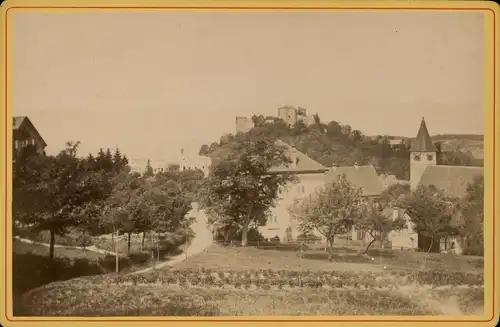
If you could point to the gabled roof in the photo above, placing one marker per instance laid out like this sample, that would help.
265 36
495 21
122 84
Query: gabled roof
364 177
304 164
423 142
454 180
18 121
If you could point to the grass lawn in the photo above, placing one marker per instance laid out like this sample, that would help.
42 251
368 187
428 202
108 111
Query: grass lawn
255 282
82 297
244 258
19 247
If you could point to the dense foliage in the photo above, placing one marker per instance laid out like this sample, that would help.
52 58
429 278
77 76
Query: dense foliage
100 195
336 144
240 190
432 213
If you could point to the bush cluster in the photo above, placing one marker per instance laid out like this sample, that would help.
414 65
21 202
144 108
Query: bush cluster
31 270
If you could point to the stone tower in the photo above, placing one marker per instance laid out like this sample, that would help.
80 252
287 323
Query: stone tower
422 154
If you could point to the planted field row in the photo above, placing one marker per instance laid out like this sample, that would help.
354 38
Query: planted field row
284 279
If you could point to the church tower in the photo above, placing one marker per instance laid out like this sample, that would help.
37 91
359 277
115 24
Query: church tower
423 153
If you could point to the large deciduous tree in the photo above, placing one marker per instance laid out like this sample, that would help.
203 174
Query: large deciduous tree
240 187
431 211
50 191
377 221
472 214
331 210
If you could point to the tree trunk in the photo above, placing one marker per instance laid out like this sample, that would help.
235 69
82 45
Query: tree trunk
52 243
430 246
128 244
157 247
330 249
370 244
143 238
117 257
113 247
244 234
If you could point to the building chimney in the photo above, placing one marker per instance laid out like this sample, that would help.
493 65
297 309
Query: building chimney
293 156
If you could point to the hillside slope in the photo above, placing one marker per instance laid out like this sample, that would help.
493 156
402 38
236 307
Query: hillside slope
335 144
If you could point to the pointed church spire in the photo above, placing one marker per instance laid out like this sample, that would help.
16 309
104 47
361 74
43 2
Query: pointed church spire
423 142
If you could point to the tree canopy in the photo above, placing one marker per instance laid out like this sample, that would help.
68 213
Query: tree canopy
240 188
332 210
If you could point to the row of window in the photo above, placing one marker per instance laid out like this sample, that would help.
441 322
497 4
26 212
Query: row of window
19 144
158 170
430 157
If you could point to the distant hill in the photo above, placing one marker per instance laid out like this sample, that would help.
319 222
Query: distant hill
335 144
474 143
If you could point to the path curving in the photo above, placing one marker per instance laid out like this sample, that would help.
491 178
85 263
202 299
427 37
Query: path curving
202 240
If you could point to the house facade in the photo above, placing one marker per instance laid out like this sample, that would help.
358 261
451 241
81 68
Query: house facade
185 162
25 134
310 176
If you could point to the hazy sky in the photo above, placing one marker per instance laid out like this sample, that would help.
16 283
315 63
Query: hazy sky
155 82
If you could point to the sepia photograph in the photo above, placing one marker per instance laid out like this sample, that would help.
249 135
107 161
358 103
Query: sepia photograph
248 163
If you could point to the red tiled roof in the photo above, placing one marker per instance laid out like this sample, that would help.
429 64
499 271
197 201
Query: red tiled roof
364 177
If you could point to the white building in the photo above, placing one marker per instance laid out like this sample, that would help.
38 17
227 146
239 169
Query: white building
185 162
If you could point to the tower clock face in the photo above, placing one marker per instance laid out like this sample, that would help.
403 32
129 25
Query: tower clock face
416 157
430 157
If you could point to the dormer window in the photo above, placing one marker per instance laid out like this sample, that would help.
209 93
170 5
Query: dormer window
416 157
430 157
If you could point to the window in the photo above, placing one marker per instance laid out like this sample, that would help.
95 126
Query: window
416 157
275 219
33 141
430 157
303 189
16 144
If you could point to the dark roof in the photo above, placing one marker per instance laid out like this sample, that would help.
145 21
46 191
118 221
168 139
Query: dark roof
451 179
364 177
20 120
423 142
304 164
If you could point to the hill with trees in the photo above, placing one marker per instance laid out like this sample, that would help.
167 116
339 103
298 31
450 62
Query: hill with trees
333 143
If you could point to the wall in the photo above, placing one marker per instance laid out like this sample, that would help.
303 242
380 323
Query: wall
417 167
185 163
280 219
406 239
24 136
308 120
288 114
